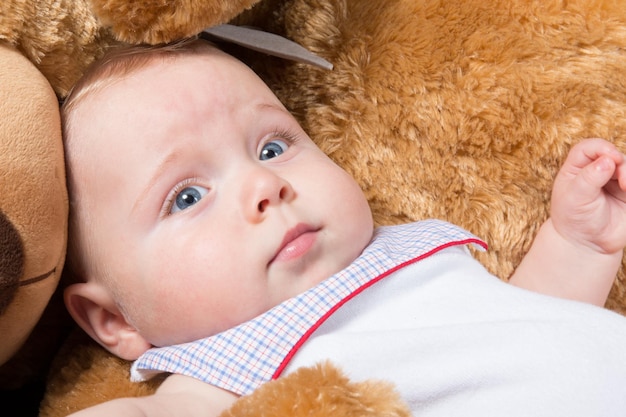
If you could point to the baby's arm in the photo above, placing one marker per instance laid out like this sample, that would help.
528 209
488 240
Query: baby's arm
577 252
177 396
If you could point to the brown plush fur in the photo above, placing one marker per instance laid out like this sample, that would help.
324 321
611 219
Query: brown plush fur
460 110
320 391
60 37
167 20
88 376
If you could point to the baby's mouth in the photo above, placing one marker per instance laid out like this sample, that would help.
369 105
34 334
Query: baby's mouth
297 242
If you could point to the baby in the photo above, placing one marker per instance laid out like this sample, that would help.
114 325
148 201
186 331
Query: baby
210 238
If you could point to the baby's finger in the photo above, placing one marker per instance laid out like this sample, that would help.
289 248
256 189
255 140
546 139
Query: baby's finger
616 191
590 150
594 176
620 173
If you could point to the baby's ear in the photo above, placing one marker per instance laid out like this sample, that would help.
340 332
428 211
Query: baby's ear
95 311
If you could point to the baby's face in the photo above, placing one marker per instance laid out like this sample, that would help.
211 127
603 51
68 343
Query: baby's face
208 204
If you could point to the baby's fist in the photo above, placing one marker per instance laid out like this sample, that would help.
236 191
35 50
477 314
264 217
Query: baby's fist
589 196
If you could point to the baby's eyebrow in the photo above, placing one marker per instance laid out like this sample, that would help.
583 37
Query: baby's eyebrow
170 159
265 105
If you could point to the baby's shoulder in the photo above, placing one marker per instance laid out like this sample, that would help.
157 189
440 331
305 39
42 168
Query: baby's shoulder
193 397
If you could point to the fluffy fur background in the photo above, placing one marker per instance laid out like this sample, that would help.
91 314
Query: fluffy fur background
61 37
461 110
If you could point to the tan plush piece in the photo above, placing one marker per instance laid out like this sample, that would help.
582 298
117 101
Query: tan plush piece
33 208
460 110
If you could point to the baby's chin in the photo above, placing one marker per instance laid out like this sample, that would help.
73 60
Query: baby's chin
331 270
341 262
293 288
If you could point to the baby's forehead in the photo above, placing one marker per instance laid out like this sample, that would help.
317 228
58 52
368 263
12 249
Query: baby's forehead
209 66
155 78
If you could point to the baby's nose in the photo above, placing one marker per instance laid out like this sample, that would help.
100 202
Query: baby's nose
266 189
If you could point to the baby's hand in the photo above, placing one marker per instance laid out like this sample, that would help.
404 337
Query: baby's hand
589 197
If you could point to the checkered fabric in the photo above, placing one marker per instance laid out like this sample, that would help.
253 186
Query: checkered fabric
244 357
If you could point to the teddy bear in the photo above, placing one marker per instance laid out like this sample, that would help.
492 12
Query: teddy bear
459 110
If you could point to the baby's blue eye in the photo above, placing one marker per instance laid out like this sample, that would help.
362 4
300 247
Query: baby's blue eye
187 197
272 149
